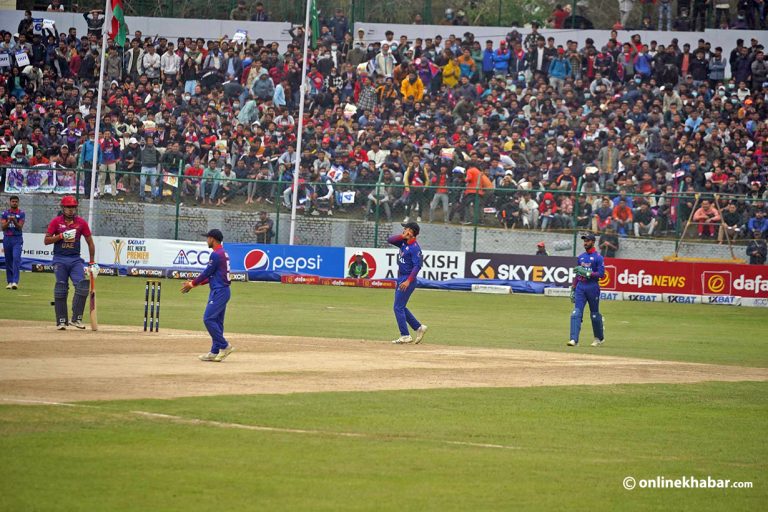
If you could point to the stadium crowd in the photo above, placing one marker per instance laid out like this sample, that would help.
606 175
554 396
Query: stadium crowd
515 124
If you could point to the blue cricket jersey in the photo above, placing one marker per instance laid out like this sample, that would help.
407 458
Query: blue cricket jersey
216 274
409 259
14 217
594 261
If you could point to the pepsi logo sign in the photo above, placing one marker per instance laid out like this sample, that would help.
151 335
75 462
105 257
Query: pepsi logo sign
256 259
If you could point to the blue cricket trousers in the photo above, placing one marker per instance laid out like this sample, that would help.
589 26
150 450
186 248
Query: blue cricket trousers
12 246
586 293
214 317
403 316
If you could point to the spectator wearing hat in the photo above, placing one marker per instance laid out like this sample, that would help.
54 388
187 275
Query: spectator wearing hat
559 70
541 249
130 165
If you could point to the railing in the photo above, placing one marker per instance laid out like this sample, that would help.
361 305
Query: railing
185 199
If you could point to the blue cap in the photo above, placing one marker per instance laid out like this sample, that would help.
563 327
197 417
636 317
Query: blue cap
216 234
588 236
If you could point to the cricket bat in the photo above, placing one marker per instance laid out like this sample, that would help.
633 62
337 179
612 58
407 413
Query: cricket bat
92 301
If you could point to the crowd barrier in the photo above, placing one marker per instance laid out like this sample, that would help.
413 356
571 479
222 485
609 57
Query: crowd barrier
631 280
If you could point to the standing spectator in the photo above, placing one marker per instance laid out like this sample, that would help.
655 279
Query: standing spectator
95 20
665 10
109 156
260 14
757 250
151 63
339 26
149 160
700 14
609 243
759 71
414 180
240 12
559 70
541 249
11 224
264 228
441 182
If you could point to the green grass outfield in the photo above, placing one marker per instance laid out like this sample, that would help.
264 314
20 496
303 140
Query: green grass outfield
549 448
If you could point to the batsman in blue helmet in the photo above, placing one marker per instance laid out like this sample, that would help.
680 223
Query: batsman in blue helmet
586 290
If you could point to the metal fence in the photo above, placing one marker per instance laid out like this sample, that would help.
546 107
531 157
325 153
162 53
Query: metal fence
460 217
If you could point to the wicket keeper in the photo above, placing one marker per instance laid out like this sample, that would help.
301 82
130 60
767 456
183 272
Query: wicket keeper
409 262
64 233
216 275
586 289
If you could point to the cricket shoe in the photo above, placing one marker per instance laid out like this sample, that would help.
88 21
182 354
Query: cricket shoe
597 342
9 287
420 332
210 356
403 340
572 343
77 323
62 326
222 355
14 286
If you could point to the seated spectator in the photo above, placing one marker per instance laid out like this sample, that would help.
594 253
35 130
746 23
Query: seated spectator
644 221
707 218
733 222
622 218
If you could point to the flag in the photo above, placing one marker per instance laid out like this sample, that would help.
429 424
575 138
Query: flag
119 30
314 22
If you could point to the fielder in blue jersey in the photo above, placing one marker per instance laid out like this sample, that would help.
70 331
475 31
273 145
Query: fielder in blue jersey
409 262
216 275
12 223
586 290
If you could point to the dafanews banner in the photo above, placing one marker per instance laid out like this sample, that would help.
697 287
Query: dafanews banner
538 269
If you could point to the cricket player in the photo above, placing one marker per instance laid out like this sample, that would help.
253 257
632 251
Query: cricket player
409 263
586 289
216 275
64 233
12 223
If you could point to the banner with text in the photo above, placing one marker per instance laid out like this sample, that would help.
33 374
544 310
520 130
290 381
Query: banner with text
382 263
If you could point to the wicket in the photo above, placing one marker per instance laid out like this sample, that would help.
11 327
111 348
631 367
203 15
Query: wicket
150 313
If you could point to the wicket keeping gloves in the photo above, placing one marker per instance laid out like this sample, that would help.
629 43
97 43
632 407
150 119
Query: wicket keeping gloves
582 271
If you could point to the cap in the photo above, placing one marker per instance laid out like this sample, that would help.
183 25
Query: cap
540 244
358 253
68 201
588 236
216 234
3 148
133 140
412 226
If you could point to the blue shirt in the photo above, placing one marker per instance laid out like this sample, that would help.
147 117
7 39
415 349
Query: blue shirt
13 216
216 274
409 259
594 261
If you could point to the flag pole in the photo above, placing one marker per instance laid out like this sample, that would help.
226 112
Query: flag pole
302 94
96 149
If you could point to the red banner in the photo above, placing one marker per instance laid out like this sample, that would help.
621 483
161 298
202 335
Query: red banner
749 281
338 281
300 279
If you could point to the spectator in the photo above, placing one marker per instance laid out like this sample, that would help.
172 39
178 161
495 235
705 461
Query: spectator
622 218
608 243
259 13
706 217
240 12
644 221
758 225
757 250
264 228
541 249
732 223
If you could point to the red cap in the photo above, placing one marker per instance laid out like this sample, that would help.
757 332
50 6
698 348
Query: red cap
540 244
68 201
